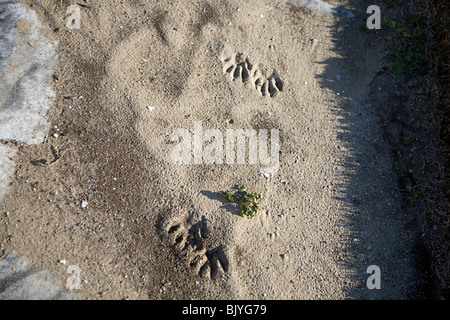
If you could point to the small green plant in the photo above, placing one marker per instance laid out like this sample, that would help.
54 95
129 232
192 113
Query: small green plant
228 195
364 28
248 201
392 3
406 50
413 193
406 139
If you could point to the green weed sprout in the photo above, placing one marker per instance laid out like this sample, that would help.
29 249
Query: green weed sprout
228 196
248 201
413 193
406 49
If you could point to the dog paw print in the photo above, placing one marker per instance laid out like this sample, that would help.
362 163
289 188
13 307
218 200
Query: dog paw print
239 68
191 243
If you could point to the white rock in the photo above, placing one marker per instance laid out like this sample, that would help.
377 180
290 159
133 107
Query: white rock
84 204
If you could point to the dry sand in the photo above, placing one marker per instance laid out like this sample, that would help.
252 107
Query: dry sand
136 71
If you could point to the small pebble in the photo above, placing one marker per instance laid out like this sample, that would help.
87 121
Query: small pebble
84 204
61 261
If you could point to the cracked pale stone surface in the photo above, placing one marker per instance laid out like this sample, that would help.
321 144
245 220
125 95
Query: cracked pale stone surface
27 59
20 279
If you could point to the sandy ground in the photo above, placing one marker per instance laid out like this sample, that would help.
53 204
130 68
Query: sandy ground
140 226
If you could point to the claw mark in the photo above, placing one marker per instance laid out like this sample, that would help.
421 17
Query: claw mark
240 68
217 262
191 243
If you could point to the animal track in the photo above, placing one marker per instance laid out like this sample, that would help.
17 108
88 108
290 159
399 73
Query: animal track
240 68
193 246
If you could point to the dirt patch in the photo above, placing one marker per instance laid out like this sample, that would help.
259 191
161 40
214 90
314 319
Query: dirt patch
352 138
439 13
